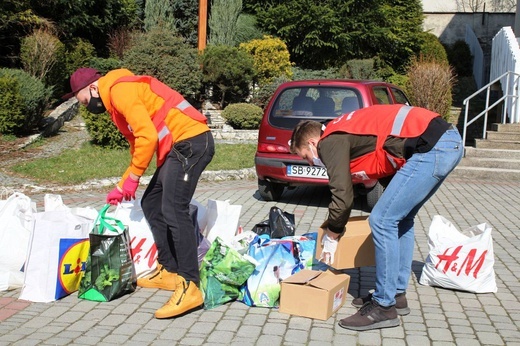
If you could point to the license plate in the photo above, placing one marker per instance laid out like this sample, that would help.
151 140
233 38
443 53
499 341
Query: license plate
307 172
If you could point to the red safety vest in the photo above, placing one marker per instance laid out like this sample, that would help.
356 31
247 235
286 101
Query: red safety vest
172 99
381 121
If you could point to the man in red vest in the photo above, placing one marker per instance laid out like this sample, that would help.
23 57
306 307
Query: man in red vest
411 150
156 119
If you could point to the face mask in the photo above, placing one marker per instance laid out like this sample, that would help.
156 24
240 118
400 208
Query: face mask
316 161
95 105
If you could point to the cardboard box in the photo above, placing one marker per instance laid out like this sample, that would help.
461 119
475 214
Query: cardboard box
355 246
313 294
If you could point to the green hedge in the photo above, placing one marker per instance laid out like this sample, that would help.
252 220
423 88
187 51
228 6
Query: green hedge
243 116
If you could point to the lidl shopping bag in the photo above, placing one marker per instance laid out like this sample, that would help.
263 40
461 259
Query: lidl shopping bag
16 218
459 260
222 272
276 261
56 255
110 272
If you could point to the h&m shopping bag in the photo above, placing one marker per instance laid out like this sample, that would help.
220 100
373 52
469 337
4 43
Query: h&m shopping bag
56 256
16 217
110 272
142 244
459 260
222 220
222 272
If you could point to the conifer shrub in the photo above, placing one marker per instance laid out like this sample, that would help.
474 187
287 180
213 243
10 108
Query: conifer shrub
243 116
432 49
11 106
104 65
35 97
358 69
164 55
227 74
459 56
102 130
271 58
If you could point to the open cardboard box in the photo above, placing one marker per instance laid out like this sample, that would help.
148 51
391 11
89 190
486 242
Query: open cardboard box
313 294
355 246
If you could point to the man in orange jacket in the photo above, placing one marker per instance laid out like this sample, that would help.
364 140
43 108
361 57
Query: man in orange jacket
412 150
156 119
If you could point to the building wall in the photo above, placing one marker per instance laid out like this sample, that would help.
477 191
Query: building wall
450 27
451 6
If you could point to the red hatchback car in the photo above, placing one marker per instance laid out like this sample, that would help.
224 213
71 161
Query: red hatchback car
320 100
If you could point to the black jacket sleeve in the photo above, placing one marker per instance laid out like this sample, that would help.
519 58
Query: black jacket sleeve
335 154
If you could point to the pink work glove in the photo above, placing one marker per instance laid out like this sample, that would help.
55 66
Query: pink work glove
129 187
115 196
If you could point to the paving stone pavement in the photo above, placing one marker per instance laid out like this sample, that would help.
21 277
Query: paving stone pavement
439 316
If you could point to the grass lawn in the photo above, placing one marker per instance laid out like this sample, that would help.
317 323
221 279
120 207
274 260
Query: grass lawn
91 162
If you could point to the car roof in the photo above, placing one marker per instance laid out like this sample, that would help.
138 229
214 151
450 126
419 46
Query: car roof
304 82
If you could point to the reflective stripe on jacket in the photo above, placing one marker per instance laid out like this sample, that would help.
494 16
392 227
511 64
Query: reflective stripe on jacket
382 121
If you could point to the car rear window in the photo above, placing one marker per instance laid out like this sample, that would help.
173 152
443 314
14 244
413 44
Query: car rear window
318 103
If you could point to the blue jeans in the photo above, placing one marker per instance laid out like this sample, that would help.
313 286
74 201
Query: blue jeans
392 218
166 203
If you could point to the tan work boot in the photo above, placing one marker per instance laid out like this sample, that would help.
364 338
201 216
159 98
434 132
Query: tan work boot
160 278
186 297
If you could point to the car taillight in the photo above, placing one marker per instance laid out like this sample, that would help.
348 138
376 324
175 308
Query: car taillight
272 148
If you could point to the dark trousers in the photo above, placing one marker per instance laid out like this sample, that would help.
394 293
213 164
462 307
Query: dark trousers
166 203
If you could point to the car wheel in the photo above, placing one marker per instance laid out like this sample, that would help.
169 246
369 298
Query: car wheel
373 195
270 191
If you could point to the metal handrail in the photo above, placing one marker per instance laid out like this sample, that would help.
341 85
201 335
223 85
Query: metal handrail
488 86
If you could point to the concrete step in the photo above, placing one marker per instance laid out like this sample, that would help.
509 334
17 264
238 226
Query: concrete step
496 144
478 162
492 153
503 136
489 164
478 173
505 127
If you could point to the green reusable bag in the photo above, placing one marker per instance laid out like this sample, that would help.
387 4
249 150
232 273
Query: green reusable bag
109 272
222 272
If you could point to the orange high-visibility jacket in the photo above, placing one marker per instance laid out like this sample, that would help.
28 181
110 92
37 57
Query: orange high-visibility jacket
382 121
149 114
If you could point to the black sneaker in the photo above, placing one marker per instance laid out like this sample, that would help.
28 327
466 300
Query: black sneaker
371 316
401 304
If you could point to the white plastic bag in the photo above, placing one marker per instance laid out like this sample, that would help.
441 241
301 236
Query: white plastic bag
53 202
56 256
16 216
459 260
222 220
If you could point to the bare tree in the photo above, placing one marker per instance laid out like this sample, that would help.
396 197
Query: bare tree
486 5
39 52
503 5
